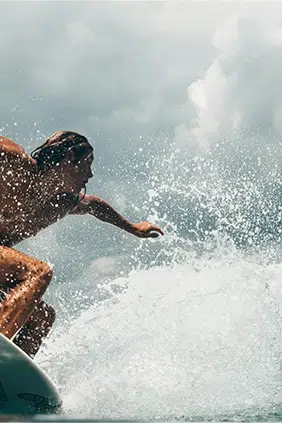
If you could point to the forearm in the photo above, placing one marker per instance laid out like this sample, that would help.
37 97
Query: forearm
99 208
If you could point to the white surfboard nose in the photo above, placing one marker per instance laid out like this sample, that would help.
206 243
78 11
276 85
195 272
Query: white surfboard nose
24 387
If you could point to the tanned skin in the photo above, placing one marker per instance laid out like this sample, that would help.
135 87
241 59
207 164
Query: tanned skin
29 202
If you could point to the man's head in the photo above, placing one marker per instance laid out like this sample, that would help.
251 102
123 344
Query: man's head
68 155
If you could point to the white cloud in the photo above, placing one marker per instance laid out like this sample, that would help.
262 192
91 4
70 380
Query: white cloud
123 69
241 90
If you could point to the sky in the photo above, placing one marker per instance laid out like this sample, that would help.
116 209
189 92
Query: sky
136 78
112 70
121 71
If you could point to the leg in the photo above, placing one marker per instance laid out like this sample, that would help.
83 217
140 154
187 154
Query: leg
25 280
37 327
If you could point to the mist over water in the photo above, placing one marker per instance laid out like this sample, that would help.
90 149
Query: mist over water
190 324
177 341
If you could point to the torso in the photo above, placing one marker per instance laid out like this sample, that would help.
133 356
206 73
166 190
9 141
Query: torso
19 225
24 209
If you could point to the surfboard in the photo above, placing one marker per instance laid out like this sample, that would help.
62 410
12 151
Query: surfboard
24 387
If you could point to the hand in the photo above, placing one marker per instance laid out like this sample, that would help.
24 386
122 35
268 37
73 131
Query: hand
146 230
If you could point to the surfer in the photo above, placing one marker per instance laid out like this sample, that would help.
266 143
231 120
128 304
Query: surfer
35 192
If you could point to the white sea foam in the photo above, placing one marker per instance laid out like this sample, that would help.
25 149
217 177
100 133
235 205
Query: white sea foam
184 340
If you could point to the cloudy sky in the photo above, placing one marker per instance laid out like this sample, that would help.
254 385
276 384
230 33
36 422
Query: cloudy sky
135 74
119 71
112 70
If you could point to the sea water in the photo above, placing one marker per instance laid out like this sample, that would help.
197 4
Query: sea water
183 327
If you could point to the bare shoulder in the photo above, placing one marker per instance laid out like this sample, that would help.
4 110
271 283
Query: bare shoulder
9 149
9 146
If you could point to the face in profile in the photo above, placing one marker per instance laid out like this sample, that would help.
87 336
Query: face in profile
76 170
80 169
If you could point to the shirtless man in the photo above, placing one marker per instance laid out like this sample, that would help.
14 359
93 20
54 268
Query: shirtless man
35 192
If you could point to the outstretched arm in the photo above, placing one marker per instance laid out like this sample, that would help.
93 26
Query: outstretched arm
93 205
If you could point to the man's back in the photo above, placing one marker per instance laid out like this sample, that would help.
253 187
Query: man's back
16 172
24 209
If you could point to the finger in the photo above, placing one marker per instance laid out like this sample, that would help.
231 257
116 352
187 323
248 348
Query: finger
157 229
160 231
153 235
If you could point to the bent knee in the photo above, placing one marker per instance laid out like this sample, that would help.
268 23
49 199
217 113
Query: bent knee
45 271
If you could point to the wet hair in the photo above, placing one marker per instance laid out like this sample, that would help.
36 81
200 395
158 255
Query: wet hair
55 148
